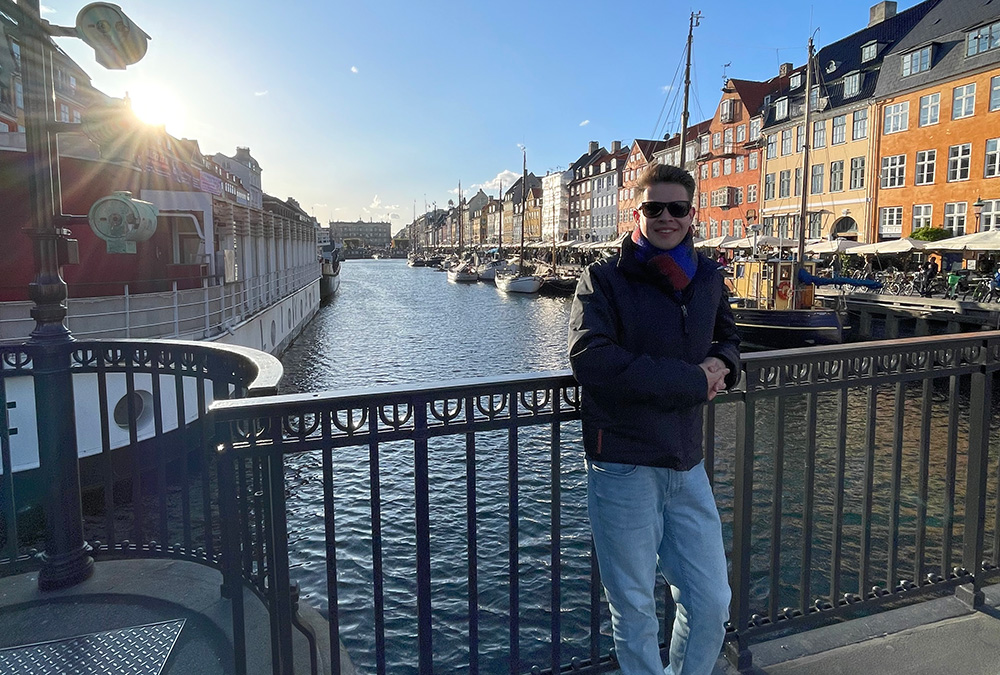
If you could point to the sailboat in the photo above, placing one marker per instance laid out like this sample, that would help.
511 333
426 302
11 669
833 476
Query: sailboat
462 272
517 281
774 307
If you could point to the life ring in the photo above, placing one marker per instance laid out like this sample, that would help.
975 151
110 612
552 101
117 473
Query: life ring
783 288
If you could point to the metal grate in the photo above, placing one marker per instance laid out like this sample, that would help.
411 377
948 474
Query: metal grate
138 650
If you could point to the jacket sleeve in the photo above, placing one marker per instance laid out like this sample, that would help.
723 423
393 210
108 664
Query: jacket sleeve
726 338
600 362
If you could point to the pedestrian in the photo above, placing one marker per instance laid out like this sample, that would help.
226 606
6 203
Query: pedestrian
651 340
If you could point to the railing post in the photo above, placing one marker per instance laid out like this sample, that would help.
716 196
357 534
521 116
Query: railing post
980 405
232 578
128 313
208 318
177 317
738 649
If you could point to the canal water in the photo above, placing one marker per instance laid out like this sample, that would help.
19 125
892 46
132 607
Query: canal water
391 324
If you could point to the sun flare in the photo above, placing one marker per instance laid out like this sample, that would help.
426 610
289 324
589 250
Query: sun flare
158 105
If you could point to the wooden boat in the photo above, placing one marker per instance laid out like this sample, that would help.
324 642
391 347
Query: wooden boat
518 283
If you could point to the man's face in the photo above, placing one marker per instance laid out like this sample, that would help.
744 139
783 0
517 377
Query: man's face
665 231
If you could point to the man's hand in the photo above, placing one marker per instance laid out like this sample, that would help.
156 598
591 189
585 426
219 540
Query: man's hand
715 373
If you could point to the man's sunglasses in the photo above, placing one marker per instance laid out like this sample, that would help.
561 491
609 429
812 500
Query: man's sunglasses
675 209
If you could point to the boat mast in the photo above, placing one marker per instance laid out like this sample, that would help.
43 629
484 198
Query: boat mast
695 20
524 194
806 182
460 218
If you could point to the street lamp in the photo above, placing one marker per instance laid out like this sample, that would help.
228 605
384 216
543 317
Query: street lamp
977 208
117 43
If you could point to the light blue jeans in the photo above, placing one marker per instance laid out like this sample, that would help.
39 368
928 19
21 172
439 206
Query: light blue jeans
647 518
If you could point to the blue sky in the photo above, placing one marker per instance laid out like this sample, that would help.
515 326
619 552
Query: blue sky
363 109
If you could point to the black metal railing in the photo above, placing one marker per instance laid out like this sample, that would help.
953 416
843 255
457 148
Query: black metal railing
139 409
445 526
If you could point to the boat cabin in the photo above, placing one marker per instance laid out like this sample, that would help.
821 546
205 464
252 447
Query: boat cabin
767 284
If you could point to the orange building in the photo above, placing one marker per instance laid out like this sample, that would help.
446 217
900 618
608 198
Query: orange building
938 125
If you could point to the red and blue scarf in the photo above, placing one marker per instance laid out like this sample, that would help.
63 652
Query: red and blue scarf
678 264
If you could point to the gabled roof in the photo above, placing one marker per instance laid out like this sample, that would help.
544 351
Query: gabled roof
945 24
586 159
647 147
843 57
514 192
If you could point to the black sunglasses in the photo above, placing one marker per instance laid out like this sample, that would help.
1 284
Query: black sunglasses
675 209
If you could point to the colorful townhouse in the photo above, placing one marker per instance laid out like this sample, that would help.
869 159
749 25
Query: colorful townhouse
838 180
937 121
729 158
579 190
671 154
607 175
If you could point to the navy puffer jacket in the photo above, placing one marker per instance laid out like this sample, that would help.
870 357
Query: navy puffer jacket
634 347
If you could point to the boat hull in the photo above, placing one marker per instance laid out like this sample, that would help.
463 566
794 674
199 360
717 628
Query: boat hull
526 284
789 328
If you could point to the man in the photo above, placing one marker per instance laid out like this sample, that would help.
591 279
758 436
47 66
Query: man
651 340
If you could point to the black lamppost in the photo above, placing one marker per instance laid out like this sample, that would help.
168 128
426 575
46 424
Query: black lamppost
977 209
117 43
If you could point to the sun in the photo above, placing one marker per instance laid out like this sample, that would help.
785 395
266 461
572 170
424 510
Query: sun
155 104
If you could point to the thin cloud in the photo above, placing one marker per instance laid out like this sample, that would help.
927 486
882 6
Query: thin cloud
376 202
505 178
43 9
666 89
584 123
260 93
354 69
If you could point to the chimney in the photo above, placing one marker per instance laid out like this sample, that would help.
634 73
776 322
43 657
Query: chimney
594 145
615 146
784 69
880 12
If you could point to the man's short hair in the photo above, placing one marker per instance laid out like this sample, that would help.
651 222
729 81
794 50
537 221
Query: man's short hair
664 173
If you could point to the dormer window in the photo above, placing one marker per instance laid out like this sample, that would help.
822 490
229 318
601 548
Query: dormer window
852 85
917 61
982 39
869 51
831 67
781 108
796 81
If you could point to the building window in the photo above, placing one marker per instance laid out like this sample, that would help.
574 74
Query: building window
784 183
893 171
837 176
990 219
798 181
715 169
930 109
739 196
704 145
76 117
995 93
992 158
772 146
703 200
752 160
959 160
869 51
19 95
769 186
852 85
716 139
982 39
815 225
727 167
751 193
954 218
917 62
704 170
926 160
860 127
63 112
857 173
795 80
741 164
819 134
786 142
754 129
896 117
963 101
800 138
781 109
816 183
839 134
922 214
741 133
890 221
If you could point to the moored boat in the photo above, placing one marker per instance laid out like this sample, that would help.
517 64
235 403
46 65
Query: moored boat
463 273
518 283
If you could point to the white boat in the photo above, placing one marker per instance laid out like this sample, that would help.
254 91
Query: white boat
463 274
516 283
488 270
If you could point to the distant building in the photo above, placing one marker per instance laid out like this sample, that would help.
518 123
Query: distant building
360 234
243 165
